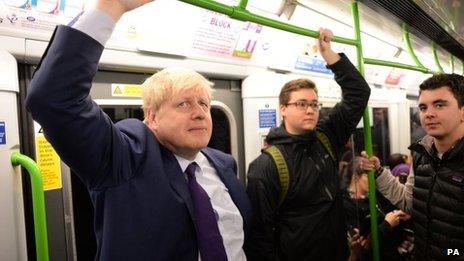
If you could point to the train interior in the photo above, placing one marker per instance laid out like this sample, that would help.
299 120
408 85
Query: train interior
248 64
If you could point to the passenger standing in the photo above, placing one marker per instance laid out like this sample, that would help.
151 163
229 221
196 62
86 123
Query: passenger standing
158 192
434 191
310 223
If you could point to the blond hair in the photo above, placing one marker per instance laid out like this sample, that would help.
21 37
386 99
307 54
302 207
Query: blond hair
167 83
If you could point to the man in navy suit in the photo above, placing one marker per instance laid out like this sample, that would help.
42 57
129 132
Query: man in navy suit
148 180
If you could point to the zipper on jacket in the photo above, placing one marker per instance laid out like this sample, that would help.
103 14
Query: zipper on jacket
435 166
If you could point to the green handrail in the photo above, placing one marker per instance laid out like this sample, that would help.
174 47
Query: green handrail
435 57
242 4
452 63
396 65
367 138
239 13
407 41
38 203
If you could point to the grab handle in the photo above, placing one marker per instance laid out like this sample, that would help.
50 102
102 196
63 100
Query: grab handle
38 203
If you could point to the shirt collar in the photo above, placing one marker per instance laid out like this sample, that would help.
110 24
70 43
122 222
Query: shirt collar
183 162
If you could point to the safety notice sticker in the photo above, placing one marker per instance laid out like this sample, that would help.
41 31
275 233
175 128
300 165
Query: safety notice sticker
48 162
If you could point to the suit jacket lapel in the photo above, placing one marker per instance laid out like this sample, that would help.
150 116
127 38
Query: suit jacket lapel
230 180
177 179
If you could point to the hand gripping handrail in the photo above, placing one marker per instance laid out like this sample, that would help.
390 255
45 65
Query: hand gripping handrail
38 203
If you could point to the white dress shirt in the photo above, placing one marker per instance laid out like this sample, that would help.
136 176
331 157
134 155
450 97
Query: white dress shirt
230 221
99 26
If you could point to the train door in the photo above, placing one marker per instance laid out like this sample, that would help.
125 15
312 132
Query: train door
12 218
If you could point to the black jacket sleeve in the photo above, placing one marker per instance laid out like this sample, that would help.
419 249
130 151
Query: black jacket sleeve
343 118
263 189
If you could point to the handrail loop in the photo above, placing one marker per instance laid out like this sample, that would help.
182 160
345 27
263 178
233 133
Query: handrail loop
435 57
407 41
38 203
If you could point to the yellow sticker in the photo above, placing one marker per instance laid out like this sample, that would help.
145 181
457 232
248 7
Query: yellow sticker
126 90
48 162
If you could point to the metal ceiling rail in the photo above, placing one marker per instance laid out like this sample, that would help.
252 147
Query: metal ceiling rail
240 13
397 65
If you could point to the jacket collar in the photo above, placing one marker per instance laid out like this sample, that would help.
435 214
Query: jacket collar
426 144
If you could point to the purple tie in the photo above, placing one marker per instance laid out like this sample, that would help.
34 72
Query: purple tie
208 236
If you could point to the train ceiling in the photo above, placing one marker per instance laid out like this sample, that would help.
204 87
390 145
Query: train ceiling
440 20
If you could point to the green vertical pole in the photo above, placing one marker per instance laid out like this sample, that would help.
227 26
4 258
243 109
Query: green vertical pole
243 4
435 57
38 203
367 139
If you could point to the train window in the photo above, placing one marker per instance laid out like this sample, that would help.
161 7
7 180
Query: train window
121 112
220 138
417 132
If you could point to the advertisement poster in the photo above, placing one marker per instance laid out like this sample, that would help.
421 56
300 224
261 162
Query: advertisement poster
36 20
220 36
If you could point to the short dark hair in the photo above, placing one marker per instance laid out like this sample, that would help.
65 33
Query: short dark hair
295 85
396 159
453 81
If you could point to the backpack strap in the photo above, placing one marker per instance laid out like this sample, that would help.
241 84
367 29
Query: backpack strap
327 145
282 170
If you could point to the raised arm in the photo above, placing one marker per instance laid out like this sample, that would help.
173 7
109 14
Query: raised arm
58 99
344 117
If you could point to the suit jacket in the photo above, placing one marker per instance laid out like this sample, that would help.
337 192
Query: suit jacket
143 210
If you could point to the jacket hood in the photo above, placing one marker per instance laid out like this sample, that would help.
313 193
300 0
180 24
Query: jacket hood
279 135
